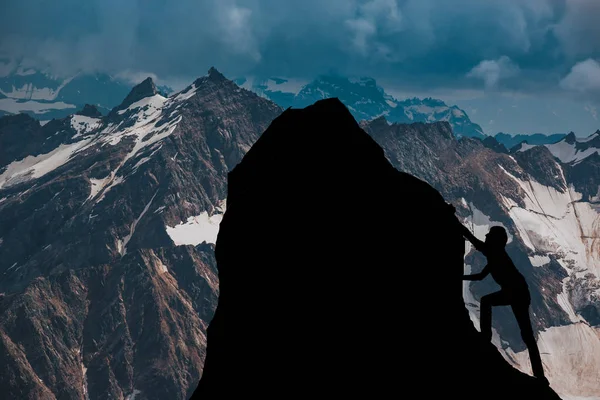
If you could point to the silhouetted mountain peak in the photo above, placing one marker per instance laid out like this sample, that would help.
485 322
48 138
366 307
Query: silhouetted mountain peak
89 110
298 328
337 127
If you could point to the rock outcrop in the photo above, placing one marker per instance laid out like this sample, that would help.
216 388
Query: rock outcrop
340 275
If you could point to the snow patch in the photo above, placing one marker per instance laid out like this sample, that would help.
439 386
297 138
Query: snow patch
114 181
133 395
33 167
14 106
30 92
123 247
83 124
197 229
96 185
589 138
162 268
539 261
85 383
189 93
143 128
571 356
525 147
152 103
568 153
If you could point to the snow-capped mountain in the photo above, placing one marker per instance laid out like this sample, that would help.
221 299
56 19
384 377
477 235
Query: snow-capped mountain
551 212
571 149
45 97
364 98
107 224
107 273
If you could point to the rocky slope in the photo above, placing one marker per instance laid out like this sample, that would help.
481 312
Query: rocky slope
107 274
339 309
553 220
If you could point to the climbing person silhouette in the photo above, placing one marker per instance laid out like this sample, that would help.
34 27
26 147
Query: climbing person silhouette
514 291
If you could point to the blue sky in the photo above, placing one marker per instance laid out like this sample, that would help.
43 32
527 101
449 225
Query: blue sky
486 52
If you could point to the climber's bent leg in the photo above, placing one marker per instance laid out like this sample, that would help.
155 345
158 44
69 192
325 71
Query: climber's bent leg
485 317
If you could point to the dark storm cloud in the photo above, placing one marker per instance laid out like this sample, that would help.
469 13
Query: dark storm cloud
529 44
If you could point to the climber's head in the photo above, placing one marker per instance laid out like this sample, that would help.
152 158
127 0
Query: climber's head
496 237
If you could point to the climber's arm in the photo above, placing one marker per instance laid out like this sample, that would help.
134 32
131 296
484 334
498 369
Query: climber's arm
477 277
478 244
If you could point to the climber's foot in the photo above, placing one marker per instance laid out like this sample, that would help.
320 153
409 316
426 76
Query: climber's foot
543 380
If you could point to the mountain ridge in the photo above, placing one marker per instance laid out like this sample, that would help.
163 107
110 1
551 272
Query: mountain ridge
137 200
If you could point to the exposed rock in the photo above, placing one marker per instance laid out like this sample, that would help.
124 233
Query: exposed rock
90 111
98 301
144 89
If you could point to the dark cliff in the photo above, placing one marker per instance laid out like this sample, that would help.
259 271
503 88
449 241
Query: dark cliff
340 275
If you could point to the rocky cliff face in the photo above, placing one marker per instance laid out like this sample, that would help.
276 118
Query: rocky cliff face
550 211
322 257
107 274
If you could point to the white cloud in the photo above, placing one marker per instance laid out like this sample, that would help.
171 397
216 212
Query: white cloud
492 71
584 77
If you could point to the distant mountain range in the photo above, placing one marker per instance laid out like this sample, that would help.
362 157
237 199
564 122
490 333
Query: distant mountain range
45 97
510 141
365 99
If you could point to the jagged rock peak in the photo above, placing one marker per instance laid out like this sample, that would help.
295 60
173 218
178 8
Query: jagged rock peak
491 143
594 135
89 111
142 90
215 75
570 138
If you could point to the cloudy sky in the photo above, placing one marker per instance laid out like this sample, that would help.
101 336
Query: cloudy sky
485 55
